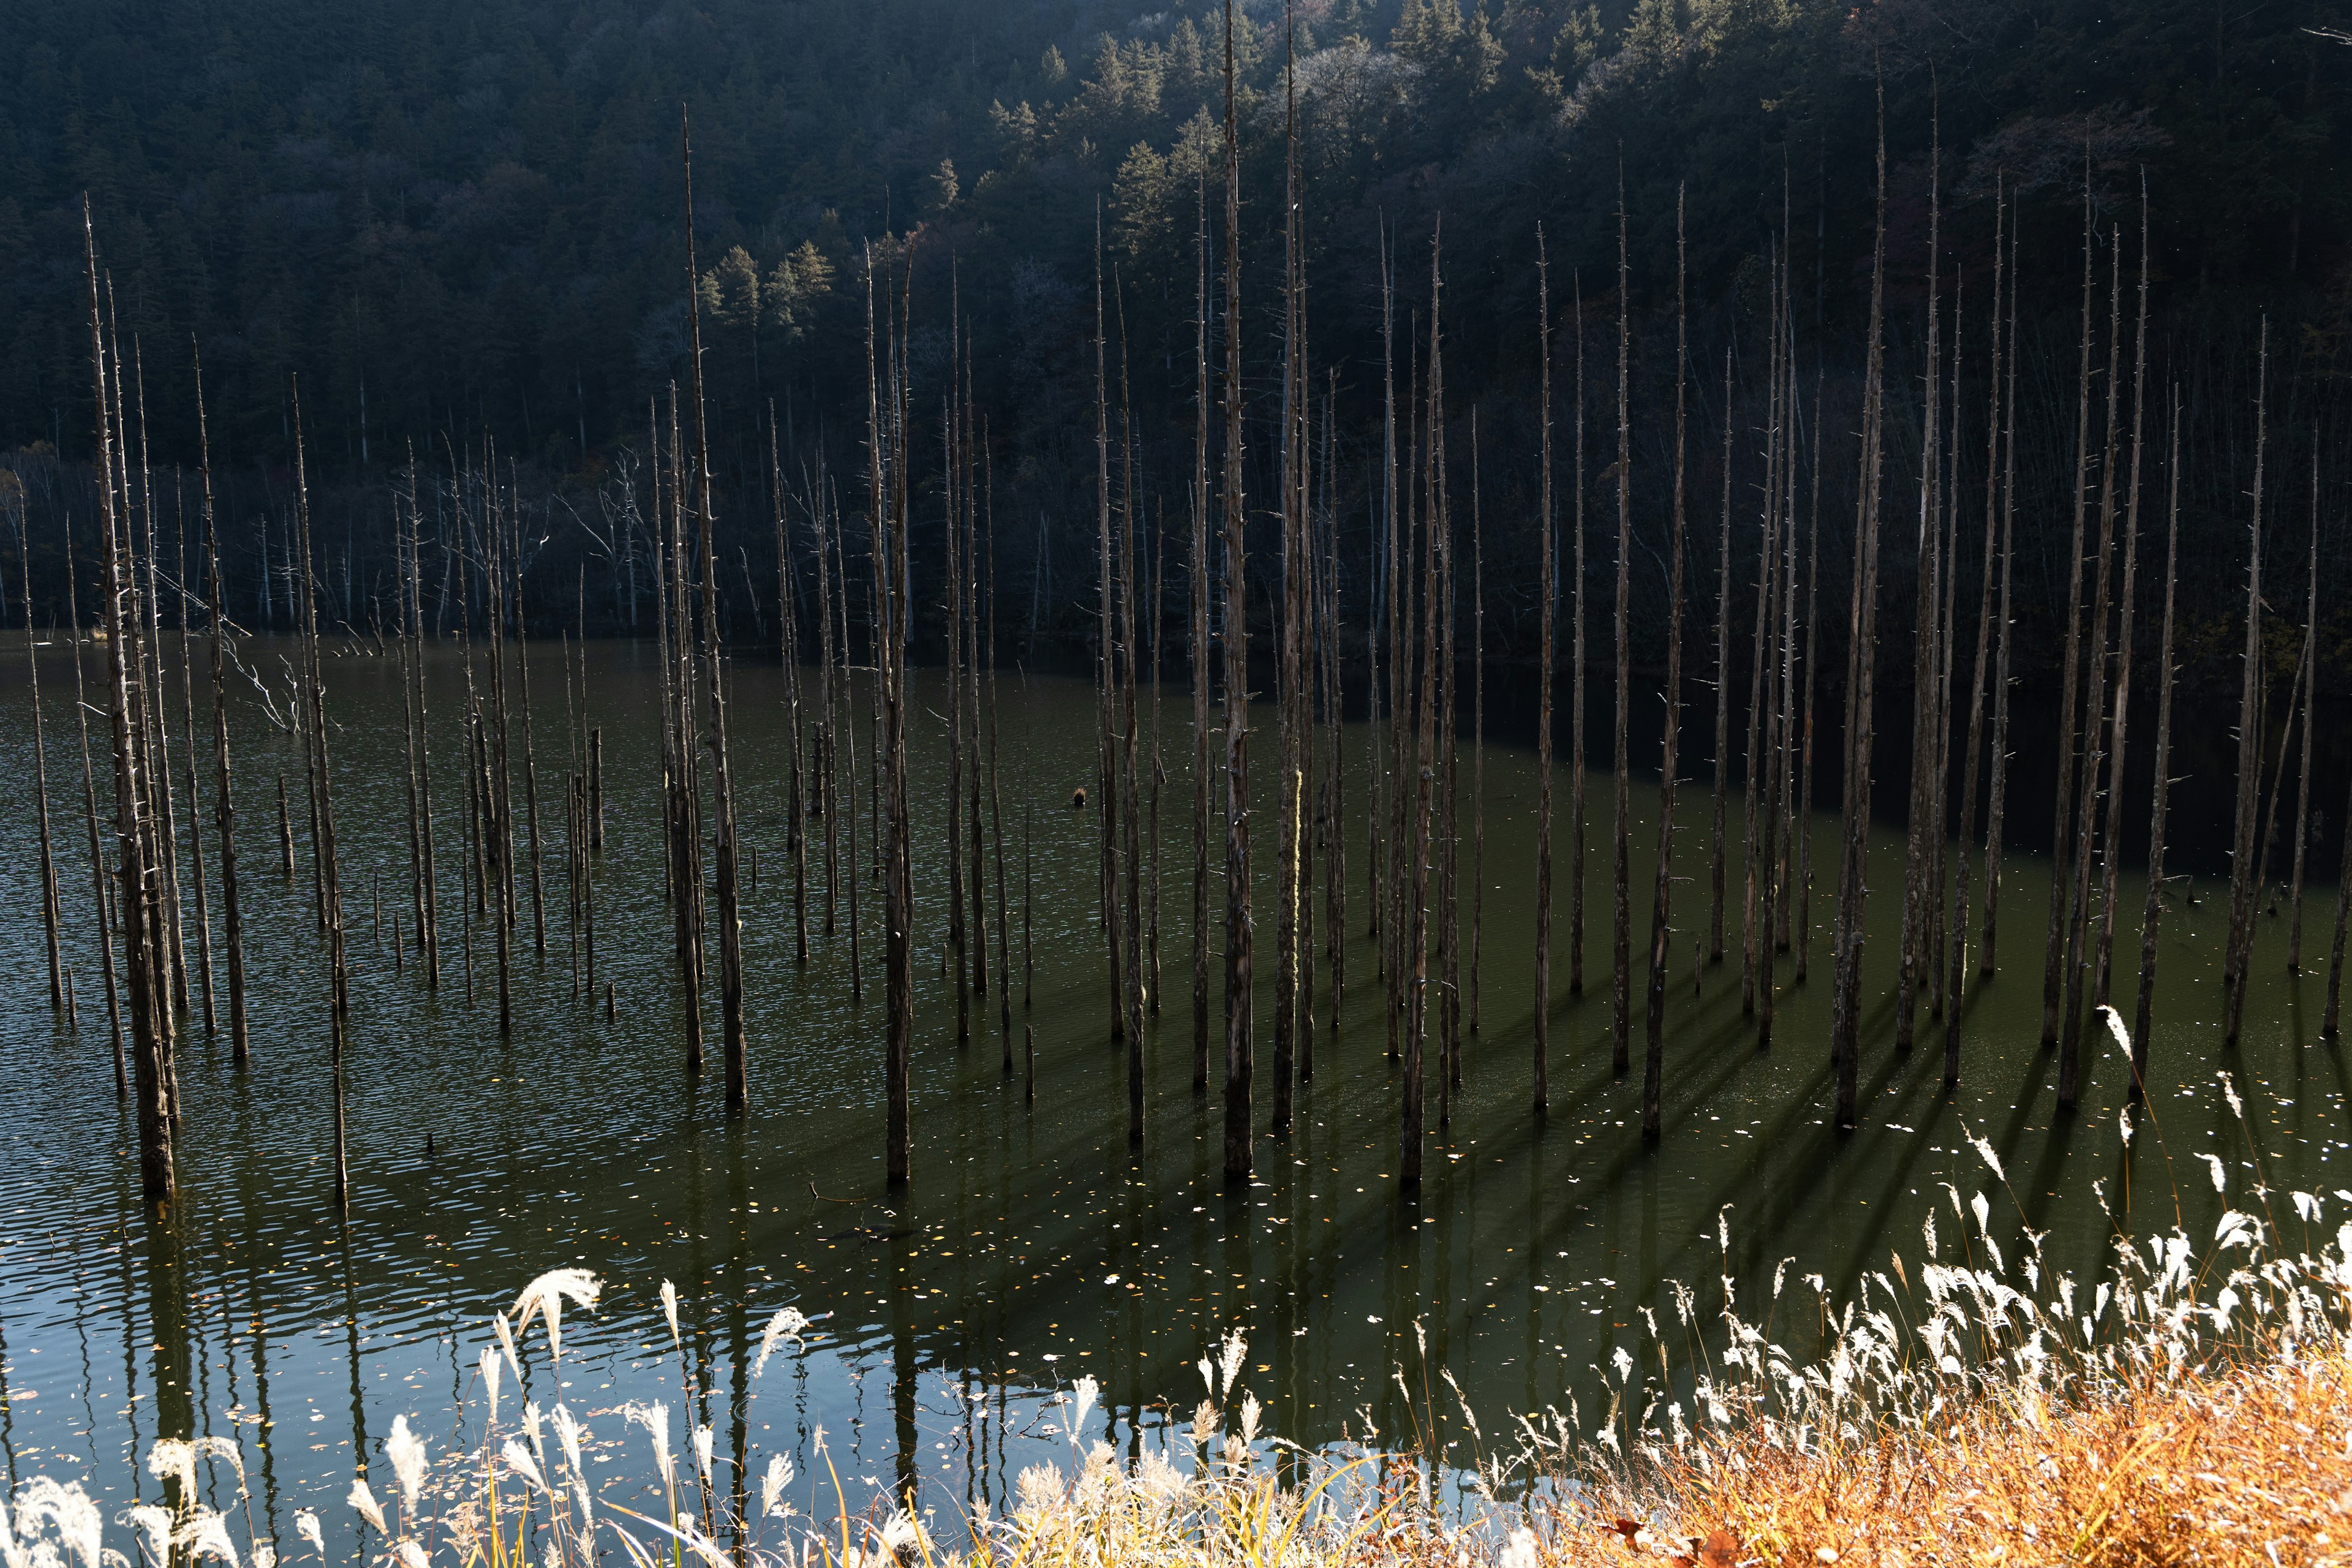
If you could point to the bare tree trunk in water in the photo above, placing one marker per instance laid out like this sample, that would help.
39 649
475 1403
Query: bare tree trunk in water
1845 1021
2143 1010
1661 934
1545 658
2250 745
2061 843
1620 971
1238 1064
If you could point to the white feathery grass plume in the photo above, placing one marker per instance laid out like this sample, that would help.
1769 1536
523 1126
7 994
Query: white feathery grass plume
702 1453
1984 1151
1624 1362
654 1419
206 1535
1082 1400
2220 1176
545 1296
1983 1211
222 1448
174 1459
670 1313
1209 1374
405 1450
2306 1207
264 1555
67 1508
410 1555
2116 1027
2230 1092
155 1525
1229 1362
1520 1551
531 1424
778 1476
518 1459
365 1500
305 1525
569 1433
507 1342
489 1365
11 1555
2124 1123
1252 1411
1928 1232
786 1324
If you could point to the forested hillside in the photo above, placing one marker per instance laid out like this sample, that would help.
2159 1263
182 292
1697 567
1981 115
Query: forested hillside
455 223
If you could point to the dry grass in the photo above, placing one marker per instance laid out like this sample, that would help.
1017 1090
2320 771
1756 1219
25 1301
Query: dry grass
2251 1464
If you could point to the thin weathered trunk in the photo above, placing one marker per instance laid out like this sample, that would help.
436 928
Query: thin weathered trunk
2250 738
1804 872
788 641
730 924
41 782
1621 1018
1237 672
1550 589
2062 842
2302 764
958 940
2144 1009
1105 755
1922 833
158 1180
1197 641
1956 979
1661 934
1845 1006
224 799
89 821
1997 795
1576 687
2118 733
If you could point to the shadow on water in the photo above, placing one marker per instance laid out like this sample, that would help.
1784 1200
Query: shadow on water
1035 1246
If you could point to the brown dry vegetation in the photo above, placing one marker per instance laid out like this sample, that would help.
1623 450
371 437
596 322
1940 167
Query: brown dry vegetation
2245 1464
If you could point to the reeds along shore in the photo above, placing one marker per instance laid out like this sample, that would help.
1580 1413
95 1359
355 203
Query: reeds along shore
1374 591
1973 1403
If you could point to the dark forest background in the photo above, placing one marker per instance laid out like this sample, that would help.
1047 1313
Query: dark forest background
459 228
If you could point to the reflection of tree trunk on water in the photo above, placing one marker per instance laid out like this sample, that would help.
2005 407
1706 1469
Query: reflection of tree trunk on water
352 1349
902 1376
167 1315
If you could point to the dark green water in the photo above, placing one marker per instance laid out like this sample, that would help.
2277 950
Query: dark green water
1034 1247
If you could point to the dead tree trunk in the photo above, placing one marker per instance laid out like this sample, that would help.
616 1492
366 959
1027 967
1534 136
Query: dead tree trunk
1654 1060
2144 1009
1238 1064
1545 660
2250 740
